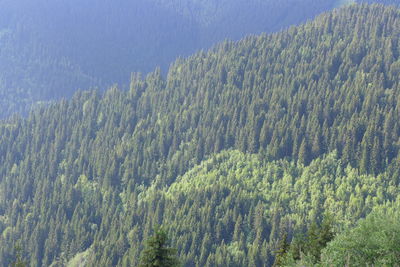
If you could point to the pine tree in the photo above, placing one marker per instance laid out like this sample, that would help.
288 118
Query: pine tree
304 153
283 248
18 258
157 253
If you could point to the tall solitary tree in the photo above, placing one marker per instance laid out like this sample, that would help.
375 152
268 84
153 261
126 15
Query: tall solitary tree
157 253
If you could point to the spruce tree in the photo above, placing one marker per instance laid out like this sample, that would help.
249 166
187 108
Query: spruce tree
283 248
18 262
157 253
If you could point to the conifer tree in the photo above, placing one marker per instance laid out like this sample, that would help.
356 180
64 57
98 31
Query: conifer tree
157 253
304 154
18 258
283 248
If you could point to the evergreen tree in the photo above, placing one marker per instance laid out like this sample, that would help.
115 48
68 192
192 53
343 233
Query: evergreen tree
304 153
95 173
283 248
157 253
18 262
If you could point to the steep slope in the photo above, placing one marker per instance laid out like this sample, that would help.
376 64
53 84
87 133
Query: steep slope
228 210
92 172
49 49
53 48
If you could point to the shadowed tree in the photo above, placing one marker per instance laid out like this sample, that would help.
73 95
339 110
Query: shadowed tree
19 262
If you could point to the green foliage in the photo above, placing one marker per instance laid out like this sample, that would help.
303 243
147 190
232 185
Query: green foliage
306 248
281 252
157 253
235 144
78 260
18 262
373 242
50 49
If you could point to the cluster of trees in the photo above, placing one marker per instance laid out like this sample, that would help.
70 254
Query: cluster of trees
233 146
231 209
49 49
304 247
374 241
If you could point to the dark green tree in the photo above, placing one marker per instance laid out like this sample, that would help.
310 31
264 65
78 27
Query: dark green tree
283 248
304 153
18 262
157 251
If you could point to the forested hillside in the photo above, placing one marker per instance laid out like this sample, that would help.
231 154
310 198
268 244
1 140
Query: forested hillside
49 49
30 73
383 2
233 148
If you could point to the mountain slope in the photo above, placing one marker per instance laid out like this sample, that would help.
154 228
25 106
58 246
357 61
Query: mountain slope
95 173
383 2
31 74
49 49
53 48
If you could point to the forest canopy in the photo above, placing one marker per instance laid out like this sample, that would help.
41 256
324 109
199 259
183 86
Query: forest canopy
231 150
51 49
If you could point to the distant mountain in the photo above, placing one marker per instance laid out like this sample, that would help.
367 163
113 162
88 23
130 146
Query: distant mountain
231 150
31 73
383 2
49 49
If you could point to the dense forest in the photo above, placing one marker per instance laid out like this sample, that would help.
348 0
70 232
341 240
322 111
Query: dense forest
49 49
383 2
236 152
